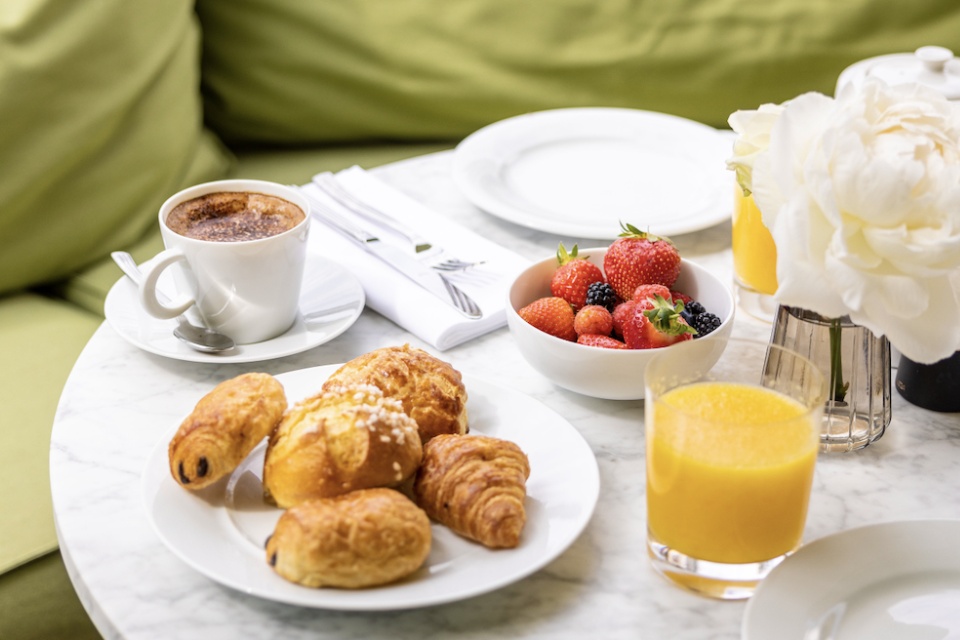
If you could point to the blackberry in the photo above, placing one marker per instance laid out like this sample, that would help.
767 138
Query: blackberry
602 294
705 323
695 308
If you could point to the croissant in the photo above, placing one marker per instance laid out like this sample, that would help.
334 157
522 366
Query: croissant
431 390
224 427
342 439
475 485
361 539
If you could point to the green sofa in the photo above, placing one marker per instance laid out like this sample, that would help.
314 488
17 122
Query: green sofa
108 107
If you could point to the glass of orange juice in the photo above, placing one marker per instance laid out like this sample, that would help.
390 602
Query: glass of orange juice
754 259
732 434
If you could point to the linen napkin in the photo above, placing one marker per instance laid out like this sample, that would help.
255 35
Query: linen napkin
395 296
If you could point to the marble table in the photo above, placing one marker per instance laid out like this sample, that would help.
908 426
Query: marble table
119 401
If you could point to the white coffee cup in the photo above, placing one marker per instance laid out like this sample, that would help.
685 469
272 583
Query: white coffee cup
247 289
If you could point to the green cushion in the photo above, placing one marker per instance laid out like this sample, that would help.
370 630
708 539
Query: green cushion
308 72
101 120
40 339
37 602
89 287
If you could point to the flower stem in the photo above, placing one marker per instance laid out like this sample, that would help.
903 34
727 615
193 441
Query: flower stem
838 389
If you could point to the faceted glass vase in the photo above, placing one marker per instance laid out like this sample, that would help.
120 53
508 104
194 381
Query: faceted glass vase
855 363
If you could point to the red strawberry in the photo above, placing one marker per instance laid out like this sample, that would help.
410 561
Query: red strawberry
682 297
593 340
593 319
637 258
621 313
658 326
551 315
573 277
645 291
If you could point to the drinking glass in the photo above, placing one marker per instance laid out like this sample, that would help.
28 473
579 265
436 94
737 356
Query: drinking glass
732 435
754 259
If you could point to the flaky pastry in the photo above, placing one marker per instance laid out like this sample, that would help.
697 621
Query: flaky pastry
224 427
361 539
344 438
476 486
431 390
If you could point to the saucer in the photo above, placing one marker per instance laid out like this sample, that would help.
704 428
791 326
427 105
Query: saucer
331 299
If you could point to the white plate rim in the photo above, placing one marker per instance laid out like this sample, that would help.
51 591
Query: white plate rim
474 150
156 481
782 601
124 313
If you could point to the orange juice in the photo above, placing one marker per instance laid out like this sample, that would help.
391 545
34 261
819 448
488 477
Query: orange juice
754 252
729 471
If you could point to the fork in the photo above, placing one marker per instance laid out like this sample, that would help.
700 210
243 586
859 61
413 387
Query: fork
432 255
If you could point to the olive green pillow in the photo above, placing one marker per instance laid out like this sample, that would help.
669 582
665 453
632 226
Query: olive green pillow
306 72
100 121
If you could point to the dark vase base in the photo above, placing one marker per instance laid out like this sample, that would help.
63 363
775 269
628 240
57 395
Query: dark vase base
931 386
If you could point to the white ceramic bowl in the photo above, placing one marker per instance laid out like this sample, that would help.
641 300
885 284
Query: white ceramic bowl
613 374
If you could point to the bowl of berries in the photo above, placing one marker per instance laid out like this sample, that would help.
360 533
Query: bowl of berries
591 319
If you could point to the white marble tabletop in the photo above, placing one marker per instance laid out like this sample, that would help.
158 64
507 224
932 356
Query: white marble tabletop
119 401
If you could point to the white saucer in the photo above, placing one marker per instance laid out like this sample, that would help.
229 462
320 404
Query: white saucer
896 580
220 531
327 287
579 172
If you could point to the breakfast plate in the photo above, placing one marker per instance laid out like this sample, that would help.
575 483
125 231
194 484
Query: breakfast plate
331 300
885 581
579 172
220 531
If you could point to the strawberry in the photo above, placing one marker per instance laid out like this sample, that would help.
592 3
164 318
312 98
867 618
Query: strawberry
593 319
573 277
658 326
682 297
646 291
637 258
621 313
551 315
594 340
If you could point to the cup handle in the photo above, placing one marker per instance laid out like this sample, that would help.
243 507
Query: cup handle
148 288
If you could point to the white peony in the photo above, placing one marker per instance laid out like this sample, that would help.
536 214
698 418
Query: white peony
862 196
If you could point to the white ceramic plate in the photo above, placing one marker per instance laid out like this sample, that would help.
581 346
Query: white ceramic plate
221 531
896 580
331 300
579 172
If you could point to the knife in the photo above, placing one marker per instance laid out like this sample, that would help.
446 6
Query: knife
406 264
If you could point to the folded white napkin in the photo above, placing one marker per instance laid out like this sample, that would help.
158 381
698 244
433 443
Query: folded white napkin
395 296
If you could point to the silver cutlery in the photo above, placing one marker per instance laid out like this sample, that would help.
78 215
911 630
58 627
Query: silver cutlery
199 338
431 280
435 256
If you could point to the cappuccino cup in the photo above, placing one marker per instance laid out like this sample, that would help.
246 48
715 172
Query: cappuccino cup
236 251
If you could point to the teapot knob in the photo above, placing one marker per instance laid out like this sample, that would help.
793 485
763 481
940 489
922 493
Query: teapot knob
934 58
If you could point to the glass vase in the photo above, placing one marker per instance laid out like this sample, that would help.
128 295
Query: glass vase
856 364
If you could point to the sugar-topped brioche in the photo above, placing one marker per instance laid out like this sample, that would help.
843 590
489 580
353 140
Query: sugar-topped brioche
431 390
345 438
360 539
225 426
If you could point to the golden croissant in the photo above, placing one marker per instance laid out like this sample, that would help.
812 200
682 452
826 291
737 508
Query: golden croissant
224 427
476 486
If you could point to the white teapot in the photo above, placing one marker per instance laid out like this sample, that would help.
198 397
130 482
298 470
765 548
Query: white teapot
933 66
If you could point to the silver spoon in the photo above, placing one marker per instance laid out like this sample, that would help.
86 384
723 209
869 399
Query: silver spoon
199 338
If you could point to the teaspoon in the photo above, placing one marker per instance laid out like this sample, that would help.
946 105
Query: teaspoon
199 338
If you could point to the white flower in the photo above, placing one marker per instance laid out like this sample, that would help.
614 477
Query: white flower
862 196
754 129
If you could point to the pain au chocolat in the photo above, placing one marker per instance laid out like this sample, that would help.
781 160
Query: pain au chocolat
224 427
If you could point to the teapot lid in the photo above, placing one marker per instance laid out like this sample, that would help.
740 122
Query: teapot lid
935 67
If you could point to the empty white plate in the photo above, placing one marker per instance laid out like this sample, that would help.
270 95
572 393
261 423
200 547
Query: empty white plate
580 172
